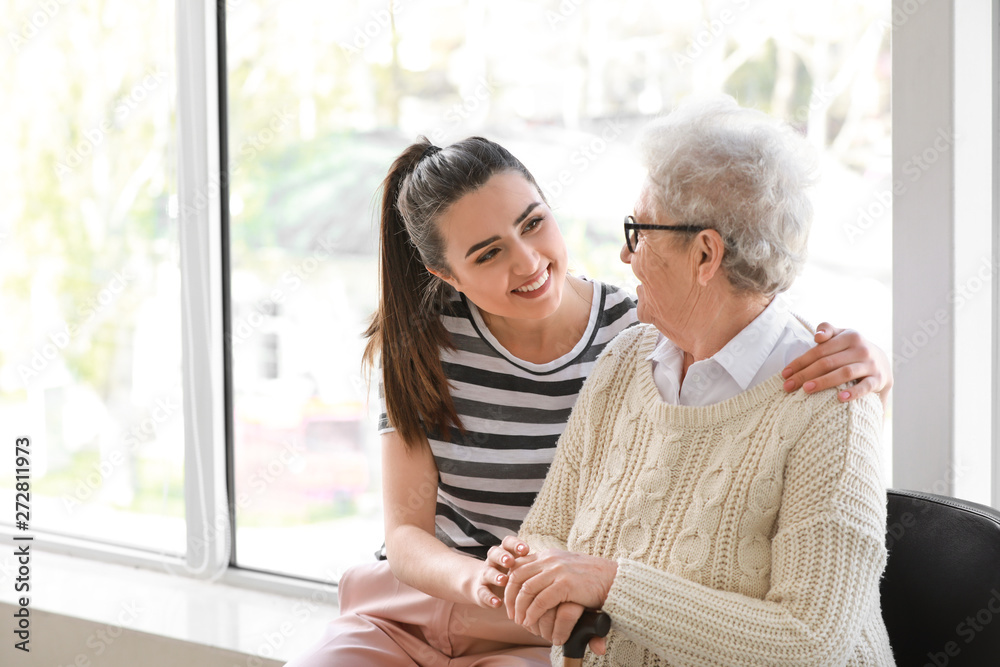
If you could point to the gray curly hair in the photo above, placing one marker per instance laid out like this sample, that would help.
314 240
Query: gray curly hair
714 163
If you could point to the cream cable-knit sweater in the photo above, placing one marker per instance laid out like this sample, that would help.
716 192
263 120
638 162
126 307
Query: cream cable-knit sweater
748 532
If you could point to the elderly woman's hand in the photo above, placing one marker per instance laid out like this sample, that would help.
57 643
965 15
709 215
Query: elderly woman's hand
541 582
557 624
841 355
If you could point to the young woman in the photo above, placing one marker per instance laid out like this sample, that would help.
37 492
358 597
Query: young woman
484 340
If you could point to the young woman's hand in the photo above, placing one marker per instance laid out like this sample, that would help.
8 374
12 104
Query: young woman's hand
841 355
496 569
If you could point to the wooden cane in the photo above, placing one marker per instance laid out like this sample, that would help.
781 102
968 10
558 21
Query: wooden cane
591 624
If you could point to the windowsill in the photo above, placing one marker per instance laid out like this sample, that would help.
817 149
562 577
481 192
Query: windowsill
249 622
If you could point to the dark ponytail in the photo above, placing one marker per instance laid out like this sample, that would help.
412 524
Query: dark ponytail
406 330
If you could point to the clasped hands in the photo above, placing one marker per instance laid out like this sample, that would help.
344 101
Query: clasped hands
546 592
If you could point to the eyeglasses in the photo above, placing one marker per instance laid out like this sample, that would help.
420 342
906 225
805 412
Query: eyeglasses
632 230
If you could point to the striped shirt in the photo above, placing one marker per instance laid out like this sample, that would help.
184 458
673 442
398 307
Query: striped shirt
513 412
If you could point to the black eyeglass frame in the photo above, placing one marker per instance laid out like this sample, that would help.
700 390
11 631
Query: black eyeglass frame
632 226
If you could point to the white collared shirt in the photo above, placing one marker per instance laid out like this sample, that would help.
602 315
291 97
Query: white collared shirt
762 349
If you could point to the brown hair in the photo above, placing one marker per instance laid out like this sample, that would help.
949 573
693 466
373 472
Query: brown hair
406 330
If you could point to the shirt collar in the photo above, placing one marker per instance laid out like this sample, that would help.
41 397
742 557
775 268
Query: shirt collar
743 356
666 352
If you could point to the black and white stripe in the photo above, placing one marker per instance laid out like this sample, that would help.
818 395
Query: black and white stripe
513 413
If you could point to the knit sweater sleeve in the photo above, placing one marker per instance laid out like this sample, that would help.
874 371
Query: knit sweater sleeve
826 560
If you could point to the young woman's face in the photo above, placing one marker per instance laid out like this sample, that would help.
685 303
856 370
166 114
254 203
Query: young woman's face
504 249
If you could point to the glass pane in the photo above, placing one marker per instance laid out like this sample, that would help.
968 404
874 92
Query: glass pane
90 347
319 108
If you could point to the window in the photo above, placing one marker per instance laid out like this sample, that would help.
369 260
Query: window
90 365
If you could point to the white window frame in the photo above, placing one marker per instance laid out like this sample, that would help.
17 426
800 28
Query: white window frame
200 176
938 392
200 189
996 254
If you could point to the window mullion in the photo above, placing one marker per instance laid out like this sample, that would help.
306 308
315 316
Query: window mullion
208 532
995 131
923 48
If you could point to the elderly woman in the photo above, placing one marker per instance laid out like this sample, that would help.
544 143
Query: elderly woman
718 519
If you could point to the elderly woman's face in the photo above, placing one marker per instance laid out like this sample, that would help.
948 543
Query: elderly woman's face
668 291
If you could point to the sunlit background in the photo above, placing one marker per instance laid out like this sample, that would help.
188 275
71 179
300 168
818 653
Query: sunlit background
90 296
322 96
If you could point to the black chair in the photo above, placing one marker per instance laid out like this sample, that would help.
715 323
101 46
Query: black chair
941 588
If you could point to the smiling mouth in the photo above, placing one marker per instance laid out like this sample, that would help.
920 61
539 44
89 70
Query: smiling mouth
535 285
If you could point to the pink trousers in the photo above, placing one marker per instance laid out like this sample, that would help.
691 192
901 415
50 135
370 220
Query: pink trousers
385 623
